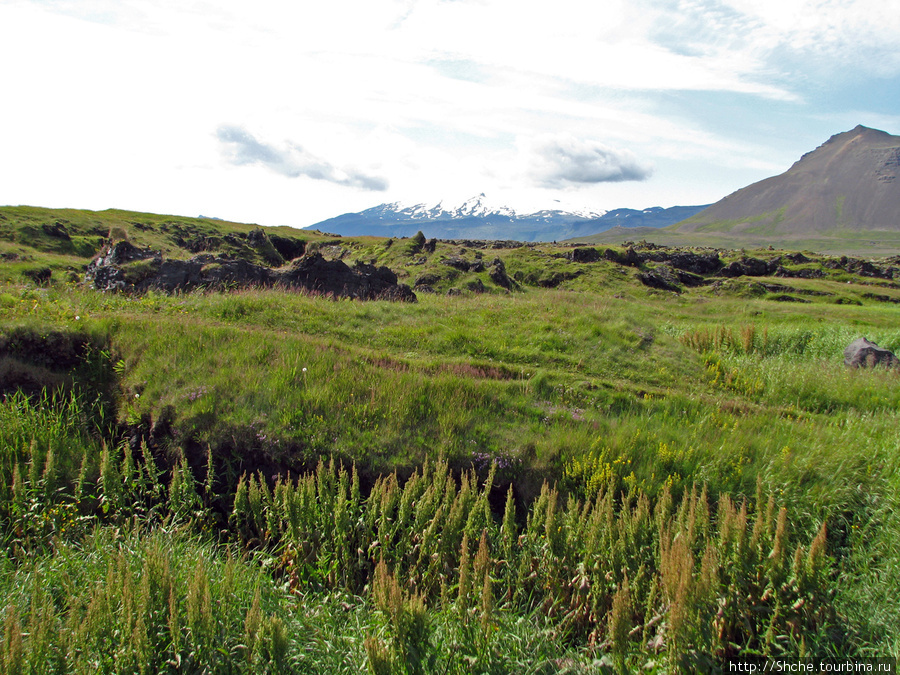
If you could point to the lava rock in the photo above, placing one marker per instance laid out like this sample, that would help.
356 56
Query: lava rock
476 286
288 247
427 280
686 278
863 353
335 277
497 273
109 272
56 230
805 273
583 255
629 257
40 276
695 263
663 278
748 267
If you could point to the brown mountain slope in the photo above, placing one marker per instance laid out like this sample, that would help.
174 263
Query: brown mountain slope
849 183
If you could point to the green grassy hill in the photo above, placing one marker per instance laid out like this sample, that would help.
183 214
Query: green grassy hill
559 468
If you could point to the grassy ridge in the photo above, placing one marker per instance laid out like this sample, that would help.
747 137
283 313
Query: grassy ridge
875 243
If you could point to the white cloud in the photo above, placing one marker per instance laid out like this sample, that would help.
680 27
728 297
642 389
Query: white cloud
606 44
831 35
563 160
290 160
826 24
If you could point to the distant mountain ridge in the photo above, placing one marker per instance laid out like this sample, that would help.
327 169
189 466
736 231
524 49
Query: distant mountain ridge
848 184
477 218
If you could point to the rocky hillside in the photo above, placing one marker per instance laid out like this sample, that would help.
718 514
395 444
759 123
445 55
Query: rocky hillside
848 184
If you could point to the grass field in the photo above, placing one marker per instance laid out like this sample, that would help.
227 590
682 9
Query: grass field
874 243
592 477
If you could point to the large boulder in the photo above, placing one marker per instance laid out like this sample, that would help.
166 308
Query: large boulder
863 353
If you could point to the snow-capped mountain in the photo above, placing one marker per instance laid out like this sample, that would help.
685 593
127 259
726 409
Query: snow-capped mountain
479 218
476 207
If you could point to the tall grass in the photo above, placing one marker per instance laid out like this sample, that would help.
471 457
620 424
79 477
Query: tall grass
698 576
125 601
789 342
46 458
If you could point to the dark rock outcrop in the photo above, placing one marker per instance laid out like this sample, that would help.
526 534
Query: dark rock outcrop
687 261
880 297
583 255
123 252
497 273
476 286
695 263
427 280
662 278
689 278
56 230
862 353
40 275
288 247
749 267
335 277
629 257
784 297
124 267
803 273
463 265
864 268
555 279
484 243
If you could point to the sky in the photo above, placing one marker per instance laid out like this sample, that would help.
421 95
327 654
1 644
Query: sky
289 113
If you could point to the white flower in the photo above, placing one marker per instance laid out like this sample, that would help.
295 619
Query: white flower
137 395
304 370
77 317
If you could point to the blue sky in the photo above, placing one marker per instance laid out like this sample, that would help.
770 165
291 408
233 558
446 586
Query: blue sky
292 112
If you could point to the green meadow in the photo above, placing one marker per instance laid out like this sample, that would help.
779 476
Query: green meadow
579 474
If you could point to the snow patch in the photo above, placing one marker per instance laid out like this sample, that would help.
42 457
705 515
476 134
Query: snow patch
480 206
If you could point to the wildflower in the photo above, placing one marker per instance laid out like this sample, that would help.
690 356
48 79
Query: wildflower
304 370
77 317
